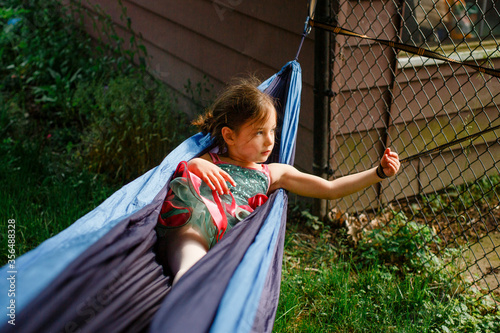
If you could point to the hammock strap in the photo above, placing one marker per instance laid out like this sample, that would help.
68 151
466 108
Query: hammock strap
404 47
311 9
307 30
449 144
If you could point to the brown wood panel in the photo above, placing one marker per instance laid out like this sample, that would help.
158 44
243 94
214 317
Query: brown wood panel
404 185
371 18
459 167
263 45
359 110
364 200
289 15
425 98
304 149
366 66
171 69
419 135
432 173
458 164
356 152
190 12
260 40
216 59
307 108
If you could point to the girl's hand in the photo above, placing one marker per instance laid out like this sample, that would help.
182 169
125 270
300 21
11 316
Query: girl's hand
390 163
211 174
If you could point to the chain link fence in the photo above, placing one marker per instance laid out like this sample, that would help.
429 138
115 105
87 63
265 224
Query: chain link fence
385 98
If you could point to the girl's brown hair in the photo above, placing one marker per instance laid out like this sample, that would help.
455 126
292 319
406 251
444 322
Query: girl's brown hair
237 104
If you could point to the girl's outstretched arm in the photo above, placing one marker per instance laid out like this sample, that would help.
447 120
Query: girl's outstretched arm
289 178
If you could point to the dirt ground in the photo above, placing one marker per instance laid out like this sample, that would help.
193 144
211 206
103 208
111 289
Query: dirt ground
483 262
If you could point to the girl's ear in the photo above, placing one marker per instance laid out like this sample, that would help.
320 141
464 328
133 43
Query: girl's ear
228 135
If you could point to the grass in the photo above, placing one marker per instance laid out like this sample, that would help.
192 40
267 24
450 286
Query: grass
329 285
342 299
41 195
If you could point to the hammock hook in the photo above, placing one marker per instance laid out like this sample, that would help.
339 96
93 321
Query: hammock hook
311 8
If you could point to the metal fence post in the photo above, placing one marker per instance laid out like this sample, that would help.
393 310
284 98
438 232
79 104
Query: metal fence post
321 102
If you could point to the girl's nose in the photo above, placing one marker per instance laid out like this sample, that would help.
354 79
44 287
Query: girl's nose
270 139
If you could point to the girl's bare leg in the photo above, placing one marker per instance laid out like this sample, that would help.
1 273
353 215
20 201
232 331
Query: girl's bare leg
184 248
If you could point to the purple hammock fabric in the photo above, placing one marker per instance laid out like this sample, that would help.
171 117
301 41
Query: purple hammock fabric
117 285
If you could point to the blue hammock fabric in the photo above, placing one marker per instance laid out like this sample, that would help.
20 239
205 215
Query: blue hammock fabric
101 273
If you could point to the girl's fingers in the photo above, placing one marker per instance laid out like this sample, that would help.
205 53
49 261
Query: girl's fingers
394 165
220 184
216 181
220 178
391 166
212 183
209 183
390 162
227 177
385 160
388 152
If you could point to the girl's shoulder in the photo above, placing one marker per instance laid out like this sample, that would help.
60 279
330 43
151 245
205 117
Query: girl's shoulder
277 170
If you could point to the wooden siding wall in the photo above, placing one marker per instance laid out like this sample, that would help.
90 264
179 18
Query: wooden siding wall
362 79
434 105
422 107
214 41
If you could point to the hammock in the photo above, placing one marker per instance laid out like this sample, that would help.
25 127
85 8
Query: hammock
101 275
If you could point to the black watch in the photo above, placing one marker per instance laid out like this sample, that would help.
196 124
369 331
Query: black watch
380 172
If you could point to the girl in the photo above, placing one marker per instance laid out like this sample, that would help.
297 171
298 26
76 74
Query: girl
210 194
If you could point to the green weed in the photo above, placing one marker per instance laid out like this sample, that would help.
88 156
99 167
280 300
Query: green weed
454 200
42 194
390 281
132 127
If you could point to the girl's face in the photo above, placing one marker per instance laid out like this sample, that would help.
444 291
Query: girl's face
253 142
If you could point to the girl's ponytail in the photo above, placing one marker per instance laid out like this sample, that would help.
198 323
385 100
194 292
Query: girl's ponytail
204 122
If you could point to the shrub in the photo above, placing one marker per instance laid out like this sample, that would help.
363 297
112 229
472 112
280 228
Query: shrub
44 56
85 100
405 244
133 125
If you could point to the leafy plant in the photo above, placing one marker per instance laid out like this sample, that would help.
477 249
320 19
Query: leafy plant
398 241
454 199
131 128
464 313
200 93
110 45
400 286
47 55
311 220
